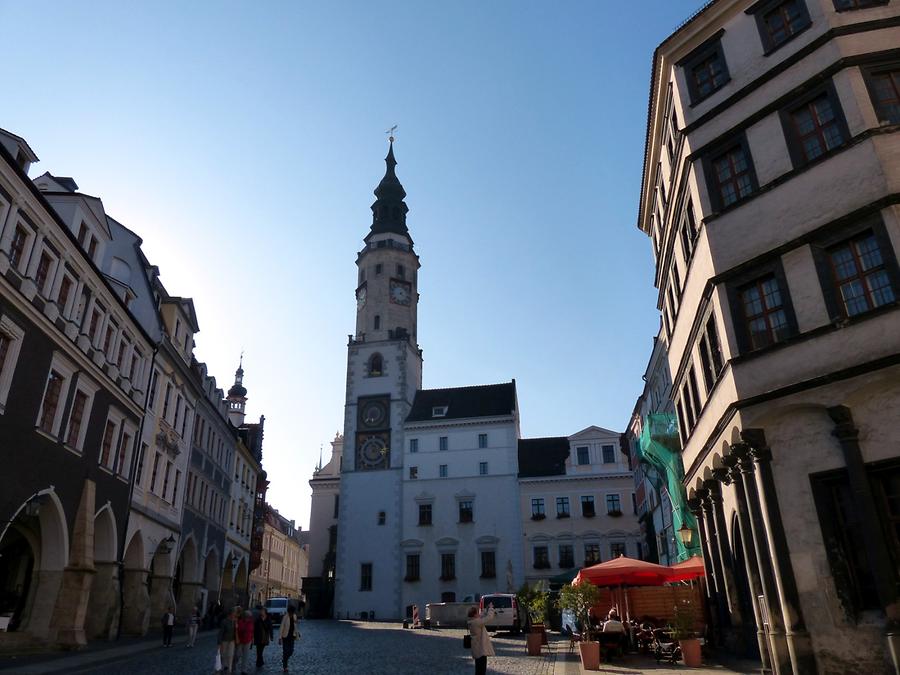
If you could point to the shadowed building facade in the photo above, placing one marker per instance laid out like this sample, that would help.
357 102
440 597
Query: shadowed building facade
770 194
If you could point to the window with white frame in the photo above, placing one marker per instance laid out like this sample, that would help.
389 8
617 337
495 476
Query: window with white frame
482 440
79 413
65 295
19 245
107 442
45 270
482 468
56 389
10 344
123 456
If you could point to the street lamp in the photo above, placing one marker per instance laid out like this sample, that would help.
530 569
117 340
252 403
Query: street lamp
686 535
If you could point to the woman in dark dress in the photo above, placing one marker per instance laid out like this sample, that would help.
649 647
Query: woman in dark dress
262 634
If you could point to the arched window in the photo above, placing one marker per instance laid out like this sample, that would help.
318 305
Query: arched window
376 364
377 322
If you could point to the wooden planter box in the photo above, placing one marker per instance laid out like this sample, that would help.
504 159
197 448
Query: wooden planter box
533 644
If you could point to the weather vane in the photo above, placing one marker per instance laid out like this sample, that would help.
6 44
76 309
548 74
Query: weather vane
390 133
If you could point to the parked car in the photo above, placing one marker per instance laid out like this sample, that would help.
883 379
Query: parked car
277 608
506 612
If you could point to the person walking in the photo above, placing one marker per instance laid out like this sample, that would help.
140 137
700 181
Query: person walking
288 635
243 641
193 626
481 641
227 634
262 634
168 626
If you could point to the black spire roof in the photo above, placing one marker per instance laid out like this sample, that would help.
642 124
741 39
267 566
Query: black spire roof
238 390
389 209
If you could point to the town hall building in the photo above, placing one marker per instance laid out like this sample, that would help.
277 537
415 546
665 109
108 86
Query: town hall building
420 502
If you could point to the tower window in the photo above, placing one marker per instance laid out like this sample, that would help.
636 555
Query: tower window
381 517
401 271
376 363
378 268
377 322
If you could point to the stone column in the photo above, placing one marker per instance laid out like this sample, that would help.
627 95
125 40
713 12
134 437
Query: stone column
75 588
715 497
161 598
712 537
770 610
798 640
103 607
189 598
696 508
747 546
876 546
136 608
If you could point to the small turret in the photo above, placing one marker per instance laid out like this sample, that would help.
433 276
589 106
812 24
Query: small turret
237 396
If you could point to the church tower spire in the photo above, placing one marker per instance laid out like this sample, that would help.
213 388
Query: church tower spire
237 396
389 210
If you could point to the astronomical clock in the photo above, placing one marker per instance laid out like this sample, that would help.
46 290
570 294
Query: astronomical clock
373 433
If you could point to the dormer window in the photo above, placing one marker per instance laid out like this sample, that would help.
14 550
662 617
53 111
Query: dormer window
439 411
82 233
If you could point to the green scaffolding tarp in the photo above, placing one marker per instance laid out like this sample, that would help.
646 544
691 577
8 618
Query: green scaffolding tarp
661 449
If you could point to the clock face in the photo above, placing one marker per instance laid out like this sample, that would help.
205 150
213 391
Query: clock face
374 414
401 292
373 452
361 297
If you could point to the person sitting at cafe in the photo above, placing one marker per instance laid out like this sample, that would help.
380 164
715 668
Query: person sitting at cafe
613 624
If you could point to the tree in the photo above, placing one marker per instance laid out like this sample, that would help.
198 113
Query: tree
535 601
580 599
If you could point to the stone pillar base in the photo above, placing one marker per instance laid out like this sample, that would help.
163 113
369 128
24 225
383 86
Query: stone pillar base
103 607
136 609
190 598
71 606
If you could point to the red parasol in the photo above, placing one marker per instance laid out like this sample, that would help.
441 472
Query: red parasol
624 570
692 568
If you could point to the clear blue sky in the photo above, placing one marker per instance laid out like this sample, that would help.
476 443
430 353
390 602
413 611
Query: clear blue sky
242 141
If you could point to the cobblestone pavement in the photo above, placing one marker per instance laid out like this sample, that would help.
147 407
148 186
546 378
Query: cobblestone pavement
332 647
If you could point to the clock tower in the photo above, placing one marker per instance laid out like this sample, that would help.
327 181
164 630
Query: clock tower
384 371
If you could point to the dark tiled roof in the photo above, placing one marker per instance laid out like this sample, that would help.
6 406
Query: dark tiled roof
543 456
489 400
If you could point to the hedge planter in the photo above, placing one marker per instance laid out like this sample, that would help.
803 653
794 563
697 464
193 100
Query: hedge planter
690 652
590 655
533 644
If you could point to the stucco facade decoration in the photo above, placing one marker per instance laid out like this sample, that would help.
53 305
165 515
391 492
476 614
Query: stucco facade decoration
576 504
770 195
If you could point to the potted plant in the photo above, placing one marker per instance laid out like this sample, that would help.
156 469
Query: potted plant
580 599
533 600
684 629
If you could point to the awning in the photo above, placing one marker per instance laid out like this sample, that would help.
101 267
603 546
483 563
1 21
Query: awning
624 571
692 568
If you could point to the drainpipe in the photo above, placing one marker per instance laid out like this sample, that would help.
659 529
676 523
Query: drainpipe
131 479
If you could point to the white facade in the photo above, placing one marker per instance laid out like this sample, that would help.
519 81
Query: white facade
584 511
463 472
323 516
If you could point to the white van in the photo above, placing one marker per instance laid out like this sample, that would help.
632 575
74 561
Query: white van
276 608
506 612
